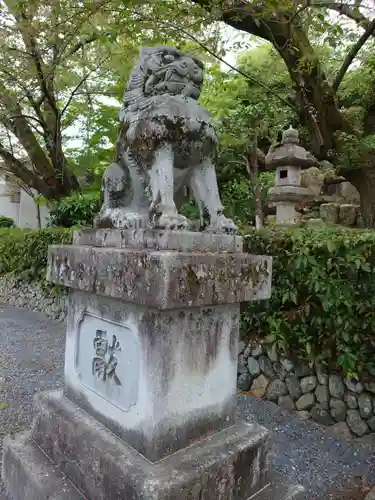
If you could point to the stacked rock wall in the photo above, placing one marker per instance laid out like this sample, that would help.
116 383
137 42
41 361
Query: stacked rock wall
34 296
310 391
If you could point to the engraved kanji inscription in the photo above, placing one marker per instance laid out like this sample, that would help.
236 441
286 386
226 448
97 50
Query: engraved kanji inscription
108 362
105 361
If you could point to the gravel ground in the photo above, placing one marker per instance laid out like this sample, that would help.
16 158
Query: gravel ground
308 454
31 360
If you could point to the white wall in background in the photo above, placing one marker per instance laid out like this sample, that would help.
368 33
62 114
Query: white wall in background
19 206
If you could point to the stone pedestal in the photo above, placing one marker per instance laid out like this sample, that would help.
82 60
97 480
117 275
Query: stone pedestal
148 408
286 198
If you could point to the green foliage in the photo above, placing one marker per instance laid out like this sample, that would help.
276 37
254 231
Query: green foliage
323 295
6 221
190 210
238 197
76 210
23 252
97 150
242 110
243 107
357 86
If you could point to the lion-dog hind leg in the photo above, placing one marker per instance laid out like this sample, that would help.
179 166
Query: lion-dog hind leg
163 211
203 184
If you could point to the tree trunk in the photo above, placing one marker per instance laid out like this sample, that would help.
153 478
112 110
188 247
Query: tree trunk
252 168
315 98
63 183
38 217
50 174
363 180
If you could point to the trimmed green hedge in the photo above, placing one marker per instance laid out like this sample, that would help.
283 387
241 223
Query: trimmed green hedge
323 296
323 289
23 252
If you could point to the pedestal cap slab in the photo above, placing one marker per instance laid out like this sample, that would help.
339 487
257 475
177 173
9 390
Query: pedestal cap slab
162 279
152 239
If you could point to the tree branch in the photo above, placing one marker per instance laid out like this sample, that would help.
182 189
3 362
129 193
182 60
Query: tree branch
23 52
370 30
82 43
29 117
269 90
343 9
78 86
87 14
18 168
17 123
239 15
28 94
25 27
9 141
42 78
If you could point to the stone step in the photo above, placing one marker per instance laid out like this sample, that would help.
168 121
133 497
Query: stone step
29 474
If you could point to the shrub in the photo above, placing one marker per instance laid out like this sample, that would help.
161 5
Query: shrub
6 221
323 296
24 252
76 210
238 197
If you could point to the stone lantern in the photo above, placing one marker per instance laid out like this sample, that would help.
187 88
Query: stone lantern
288 159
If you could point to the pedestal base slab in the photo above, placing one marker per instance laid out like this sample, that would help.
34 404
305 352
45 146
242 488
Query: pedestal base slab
230 465
29 474
68 455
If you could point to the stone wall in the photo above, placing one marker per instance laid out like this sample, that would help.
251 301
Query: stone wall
344 214
309 390
336 200
32 295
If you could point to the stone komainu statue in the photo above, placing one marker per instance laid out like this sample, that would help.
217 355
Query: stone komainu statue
167 142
